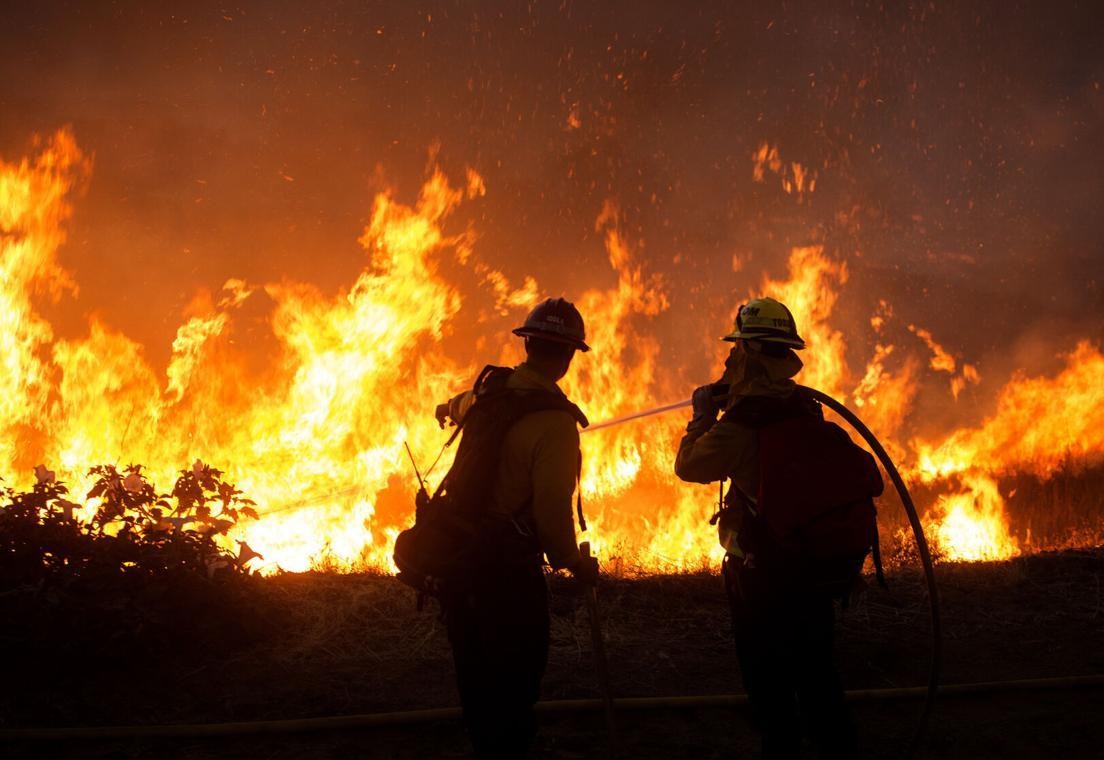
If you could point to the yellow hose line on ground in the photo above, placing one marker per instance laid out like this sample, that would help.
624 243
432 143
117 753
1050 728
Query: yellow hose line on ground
370 720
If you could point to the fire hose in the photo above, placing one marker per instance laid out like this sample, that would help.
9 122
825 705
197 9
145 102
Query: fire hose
910 511
914 522
921 547
560 706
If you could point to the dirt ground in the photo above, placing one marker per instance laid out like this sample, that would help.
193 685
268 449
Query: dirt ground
346 644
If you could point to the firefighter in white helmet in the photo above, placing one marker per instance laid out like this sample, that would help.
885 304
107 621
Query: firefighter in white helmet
783 633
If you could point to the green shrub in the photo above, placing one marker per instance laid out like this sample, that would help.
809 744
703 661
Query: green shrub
147 573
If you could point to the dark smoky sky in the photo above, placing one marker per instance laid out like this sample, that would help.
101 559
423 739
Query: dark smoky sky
959 148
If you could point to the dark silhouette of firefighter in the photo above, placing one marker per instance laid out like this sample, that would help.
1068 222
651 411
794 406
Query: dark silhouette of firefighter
797 524
506 503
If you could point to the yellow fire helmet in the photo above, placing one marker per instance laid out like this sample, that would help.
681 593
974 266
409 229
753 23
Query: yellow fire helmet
767 320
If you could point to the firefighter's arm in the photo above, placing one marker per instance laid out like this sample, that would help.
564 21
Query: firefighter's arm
555 466
726 449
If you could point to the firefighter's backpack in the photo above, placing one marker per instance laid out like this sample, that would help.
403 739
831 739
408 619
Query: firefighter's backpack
814 519
454 533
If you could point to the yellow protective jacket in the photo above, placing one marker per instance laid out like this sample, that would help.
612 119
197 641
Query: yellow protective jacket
538 468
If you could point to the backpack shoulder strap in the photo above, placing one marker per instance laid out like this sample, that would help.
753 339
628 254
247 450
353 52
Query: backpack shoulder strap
495 410
492 382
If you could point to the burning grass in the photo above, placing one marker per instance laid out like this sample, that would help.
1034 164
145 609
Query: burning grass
1062 510
1065 510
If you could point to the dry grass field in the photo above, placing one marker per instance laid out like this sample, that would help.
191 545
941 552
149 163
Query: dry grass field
322 644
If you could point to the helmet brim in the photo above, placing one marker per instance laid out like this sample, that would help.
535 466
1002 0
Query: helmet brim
523 332
797 344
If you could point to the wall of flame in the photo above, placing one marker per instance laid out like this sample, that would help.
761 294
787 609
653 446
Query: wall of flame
306 396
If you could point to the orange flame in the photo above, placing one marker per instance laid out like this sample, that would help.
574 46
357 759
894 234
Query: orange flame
315 434
971 525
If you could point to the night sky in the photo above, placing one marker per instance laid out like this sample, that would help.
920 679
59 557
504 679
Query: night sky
958 150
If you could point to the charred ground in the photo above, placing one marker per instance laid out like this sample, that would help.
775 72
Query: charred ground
323 644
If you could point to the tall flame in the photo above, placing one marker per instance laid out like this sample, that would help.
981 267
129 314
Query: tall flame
314 431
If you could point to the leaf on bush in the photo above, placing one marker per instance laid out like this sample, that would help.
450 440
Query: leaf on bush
42 475
226 493
246 553
67 507
133 483
168 523
250 512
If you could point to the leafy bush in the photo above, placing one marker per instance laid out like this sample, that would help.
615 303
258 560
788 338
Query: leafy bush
146 572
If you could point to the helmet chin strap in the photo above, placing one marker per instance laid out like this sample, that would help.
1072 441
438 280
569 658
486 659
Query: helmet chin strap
735 365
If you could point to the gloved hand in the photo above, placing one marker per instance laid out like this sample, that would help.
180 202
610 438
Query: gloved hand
585 571
564 593
705 406
442 414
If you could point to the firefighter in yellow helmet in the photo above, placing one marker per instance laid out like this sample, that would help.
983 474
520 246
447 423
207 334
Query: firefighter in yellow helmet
498 624
783 631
